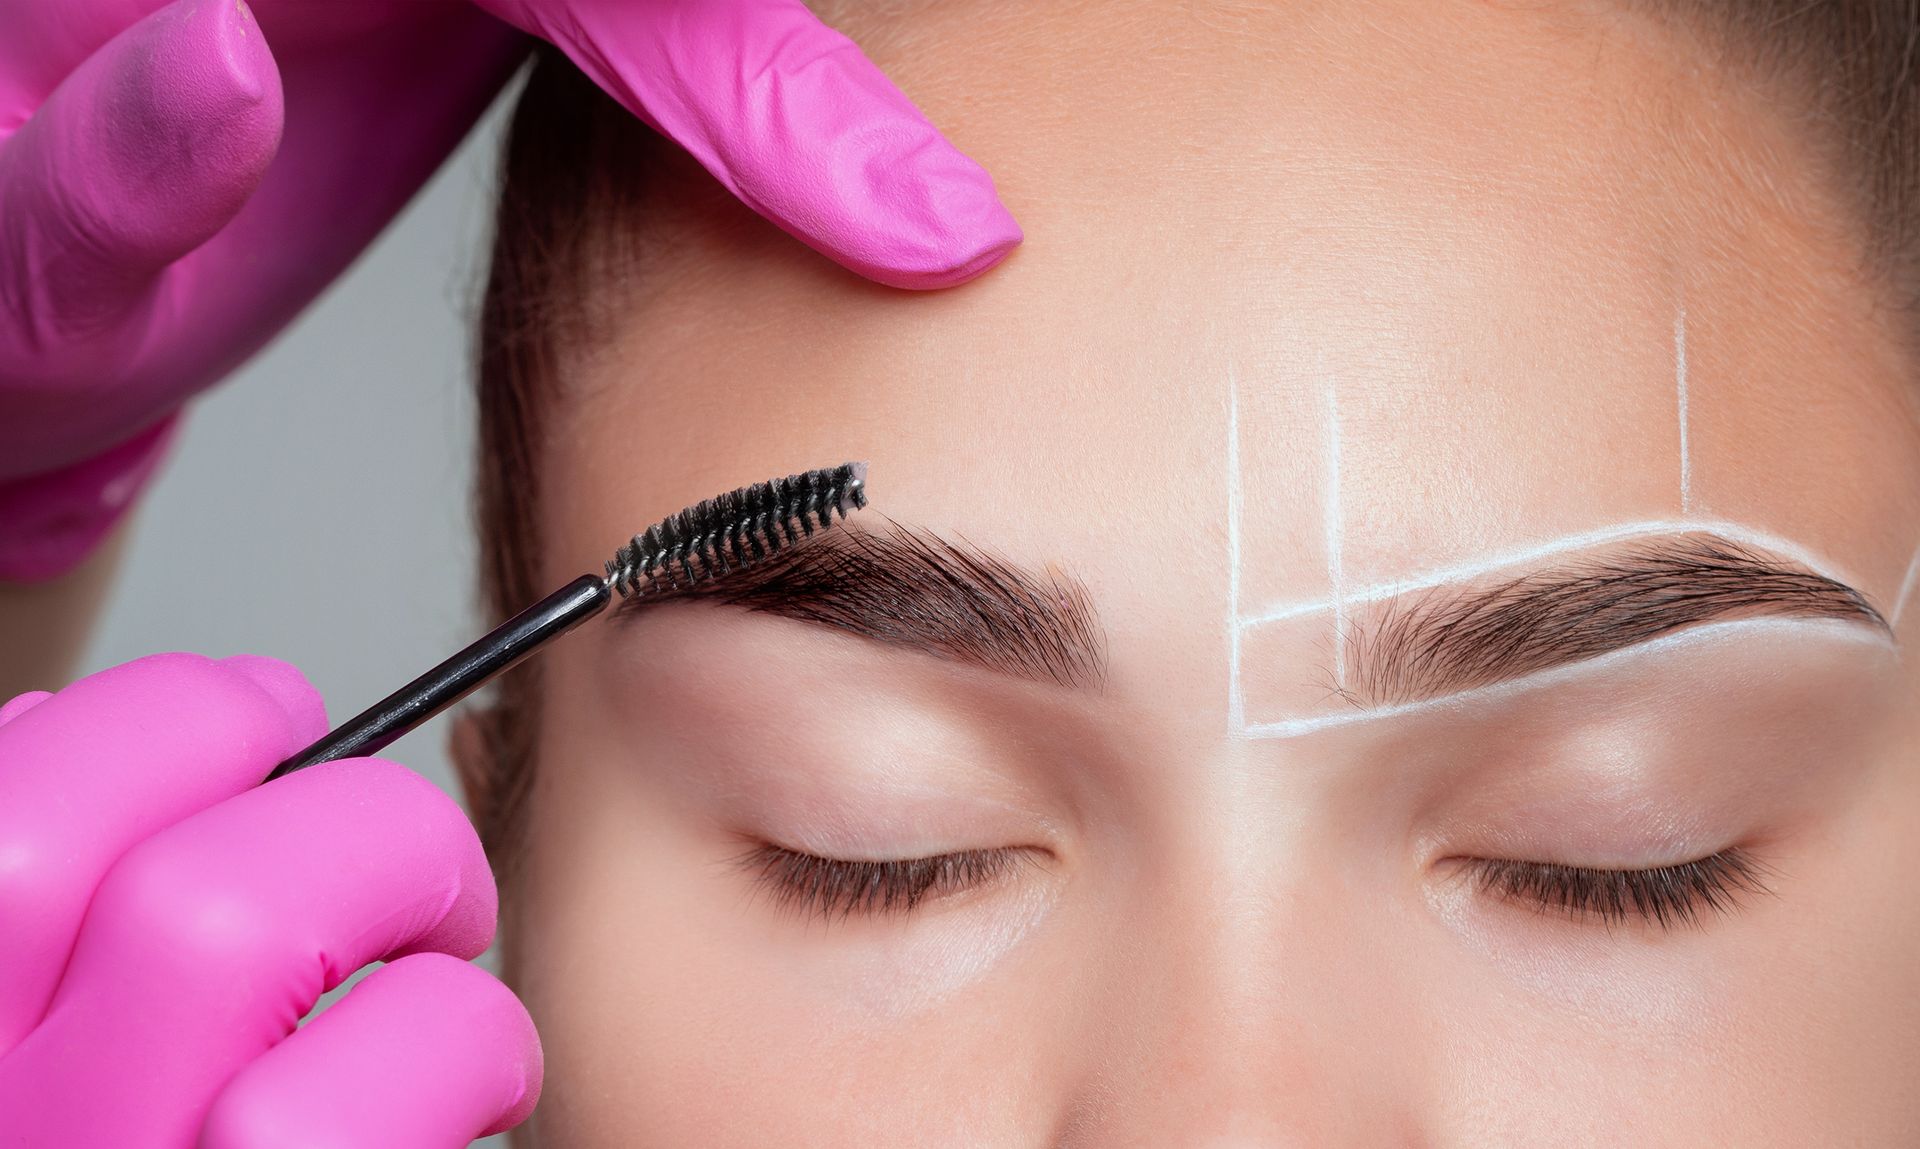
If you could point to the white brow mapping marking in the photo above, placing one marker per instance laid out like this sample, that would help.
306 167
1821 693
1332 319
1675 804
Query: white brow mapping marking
1467 571
1236 702
1335 575
1680 385
1295 727
1906 589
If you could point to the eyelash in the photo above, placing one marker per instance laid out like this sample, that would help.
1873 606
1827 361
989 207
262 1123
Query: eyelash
836 887
1667 896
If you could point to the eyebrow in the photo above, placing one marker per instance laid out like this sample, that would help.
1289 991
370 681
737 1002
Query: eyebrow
1447 640
916 590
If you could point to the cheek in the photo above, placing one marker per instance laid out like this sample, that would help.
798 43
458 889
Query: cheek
1638 983
661 1026
883 975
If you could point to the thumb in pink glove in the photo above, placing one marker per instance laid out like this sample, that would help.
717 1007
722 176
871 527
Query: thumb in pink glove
165 922
156 228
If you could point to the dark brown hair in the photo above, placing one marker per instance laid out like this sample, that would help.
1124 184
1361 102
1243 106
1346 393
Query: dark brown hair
573 178
1856 63
572 244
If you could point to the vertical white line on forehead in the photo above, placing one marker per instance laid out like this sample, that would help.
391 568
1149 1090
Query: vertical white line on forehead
1236 702
1680 386
1335 572
1906 589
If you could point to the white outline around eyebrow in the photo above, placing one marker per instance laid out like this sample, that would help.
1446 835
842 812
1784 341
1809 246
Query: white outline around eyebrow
1466 571
1341 597
1297 727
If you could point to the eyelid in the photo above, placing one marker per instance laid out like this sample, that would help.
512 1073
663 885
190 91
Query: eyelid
1667 896
836 887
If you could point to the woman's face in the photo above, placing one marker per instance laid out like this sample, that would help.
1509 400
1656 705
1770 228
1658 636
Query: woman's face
1421 455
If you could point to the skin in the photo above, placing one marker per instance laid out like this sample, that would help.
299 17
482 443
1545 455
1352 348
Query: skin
1478 224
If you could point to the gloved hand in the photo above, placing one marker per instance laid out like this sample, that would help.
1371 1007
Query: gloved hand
156 228
165 920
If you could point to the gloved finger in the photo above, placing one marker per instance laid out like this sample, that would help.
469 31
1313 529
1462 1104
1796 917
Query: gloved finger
140 155
94 769
45 42
428 1051
208 942
795 120
21 703
49 523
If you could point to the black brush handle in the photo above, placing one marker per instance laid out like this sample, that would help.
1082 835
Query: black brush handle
374 729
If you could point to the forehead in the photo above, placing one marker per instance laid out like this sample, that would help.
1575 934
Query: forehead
1309 304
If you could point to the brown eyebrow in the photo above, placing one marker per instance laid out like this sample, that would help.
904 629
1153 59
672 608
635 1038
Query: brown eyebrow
1445 641
916 590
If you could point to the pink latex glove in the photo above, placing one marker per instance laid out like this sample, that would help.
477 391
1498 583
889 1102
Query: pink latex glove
173 190
165 920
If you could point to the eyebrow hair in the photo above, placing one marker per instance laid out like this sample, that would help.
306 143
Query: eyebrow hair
916 590
1448 640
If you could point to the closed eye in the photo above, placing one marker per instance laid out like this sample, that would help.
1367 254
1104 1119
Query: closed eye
1666 896
837 887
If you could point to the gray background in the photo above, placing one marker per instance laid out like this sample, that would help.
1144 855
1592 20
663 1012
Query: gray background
315 508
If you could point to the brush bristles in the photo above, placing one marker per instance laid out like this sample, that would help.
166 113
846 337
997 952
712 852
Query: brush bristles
736 530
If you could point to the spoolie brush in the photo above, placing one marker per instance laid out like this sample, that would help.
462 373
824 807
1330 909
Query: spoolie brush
706 541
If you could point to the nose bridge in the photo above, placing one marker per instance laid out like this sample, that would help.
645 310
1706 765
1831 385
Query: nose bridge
1258 1011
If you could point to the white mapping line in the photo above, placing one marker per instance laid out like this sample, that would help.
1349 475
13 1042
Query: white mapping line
1335 573
1295 727
1680 385
1236 702
1467 571
1906 589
